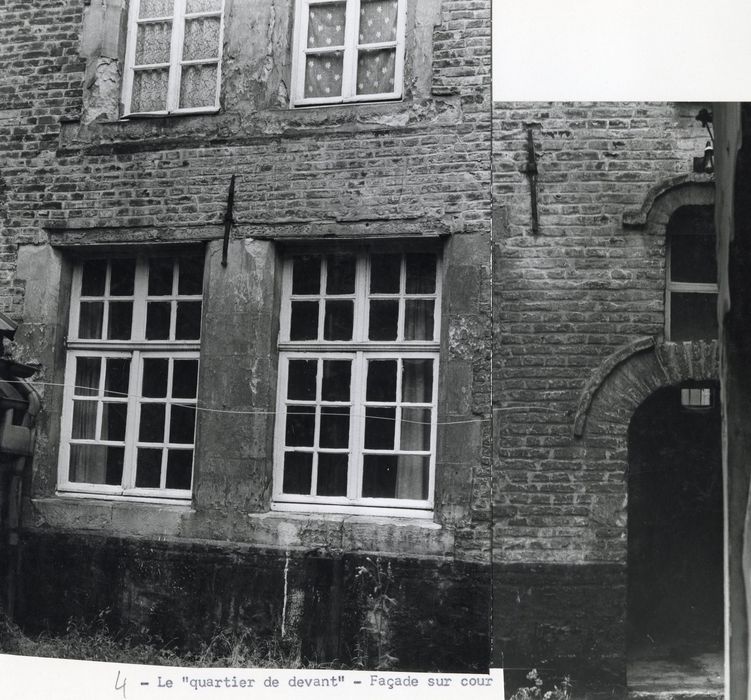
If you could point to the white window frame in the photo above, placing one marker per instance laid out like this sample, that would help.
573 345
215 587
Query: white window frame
350 49
137 349
672 287
175 64
359 350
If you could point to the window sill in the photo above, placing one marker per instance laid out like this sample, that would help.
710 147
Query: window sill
358 513
112 514
118 498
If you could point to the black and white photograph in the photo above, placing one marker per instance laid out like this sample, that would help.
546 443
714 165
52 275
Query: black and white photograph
338 335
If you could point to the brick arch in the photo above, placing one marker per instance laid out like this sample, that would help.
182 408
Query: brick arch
633 373
666 196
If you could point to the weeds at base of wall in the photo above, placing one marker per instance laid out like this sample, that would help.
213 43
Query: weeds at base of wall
536 689
95 642
374 644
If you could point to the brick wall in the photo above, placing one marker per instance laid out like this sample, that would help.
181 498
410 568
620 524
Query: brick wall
566 299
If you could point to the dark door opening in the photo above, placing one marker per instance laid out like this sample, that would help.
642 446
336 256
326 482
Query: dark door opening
675 528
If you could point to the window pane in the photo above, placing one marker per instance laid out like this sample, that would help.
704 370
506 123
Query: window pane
90 319
117 377
198 85
148 468
191 275
179 469
113 421
306 275
304 320
87 376
298 472
122 276
201 38
155 377
96 464
84 420
151 427
377 21
203 5
381 380
385 272
336 380
421 270
301 423
323 75
384 319
93 278
332 474
339 320
182 424
693 259
188 325
158 320
121 313
392 476
693 316
412 477
302 380
415 429
334 427
155 8
418 319
160 276
380 425
185 379
379 476
375 71
326 25
417 381
149 90
340 274
153 43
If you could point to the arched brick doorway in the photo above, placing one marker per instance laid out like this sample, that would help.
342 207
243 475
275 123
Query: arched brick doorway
675 540
624 411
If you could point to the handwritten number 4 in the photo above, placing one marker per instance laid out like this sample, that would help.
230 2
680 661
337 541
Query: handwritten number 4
120 686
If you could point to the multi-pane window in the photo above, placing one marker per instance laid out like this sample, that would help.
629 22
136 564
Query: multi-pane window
132 376
691 299
173 56
348 50
356 416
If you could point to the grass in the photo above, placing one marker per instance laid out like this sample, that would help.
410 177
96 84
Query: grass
95 642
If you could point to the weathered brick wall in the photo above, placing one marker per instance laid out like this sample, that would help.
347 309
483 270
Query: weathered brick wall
418 166
40 83
565 299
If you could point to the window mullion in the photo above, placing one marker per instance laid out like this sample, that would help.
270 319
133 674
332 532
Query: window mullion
349 63
140 285
398 405
357 427
132 419
361 319
167 424
316 428
176 49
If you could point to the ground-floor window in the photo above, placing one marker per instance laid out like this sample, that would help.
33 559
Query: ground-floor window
357 400
131 378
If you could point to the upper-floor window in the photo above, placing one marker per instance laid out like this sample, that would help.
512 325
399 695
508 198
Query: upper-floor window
348 51
358 380
691 298
131 376
173 56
